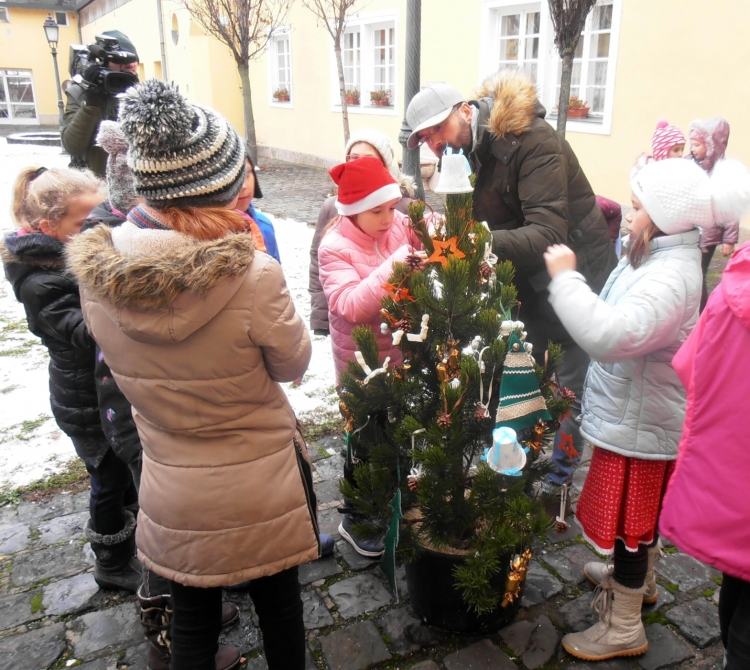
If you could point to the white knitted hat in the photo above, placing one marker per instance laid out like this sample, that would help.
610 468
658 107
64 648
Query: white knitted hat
377 141
679 196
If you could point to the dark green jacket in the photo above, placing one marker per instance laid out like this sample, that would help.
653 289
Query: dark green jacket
532 193
80 126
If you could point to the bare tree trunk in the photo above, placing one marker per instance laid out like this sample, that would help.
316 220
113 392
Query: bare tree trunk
342 87
564 102
247 106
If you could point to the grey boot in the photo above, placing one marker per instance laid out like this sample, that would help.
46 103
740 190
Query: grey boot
619 631
595 571
116 566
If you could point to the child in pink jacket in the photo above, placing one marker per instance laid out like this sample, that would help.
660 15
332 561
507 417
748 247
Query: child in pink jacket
706 510
358 251
356 255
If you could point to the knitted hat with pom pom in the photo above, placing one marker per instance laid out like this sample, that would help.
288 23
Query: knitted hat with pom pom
181 155
120 180
665 137
679 196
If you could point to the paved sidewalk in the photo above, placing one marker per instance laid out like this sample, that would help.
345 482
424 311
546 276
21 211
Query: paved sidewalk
52 614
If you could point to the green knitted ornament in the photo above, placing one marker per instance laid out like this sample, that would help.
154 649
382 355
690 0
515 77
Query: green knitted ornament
521 402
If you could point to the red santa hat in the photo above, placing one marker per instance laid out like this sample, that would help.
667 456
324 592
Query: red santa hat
363 184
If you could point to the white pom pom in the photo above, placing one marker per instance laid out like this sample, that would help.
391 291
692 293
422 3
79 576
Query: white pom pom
730 191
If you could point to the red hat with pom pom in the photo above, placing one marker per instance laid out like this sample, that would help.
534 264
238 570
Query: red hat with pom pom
363 184
665 137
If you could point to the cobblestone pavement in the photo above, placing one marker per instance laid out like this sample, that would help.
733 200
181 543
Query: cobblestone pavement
53 615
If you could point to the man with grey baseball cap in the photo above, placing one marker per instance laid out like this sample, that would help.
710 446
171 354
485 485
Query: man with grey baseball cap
532 193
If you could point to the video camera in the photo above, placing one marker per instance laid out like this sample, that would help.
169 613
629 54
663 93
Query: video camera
103 52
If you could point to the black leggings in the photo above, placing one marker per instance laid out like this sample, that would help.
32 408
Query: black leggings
706 257
196 623
734 619
112 488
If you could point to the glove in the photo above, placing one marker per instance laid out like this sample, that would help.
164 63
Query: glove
93 95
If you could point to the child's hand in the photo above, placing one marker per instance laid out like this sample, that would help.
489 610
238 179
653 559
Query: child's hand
726 249
558 258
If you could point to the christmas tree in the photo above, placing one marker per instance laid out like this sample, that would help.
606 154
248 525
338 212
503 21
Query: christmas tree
418 428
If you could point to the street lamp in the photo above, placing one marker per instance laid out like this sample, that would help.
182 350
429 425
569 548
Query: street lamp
411 162
51 32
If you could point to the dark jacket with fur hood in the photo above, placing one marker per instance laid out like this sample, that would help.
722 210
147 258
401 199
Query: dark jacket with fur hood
533 193
197 335
34 265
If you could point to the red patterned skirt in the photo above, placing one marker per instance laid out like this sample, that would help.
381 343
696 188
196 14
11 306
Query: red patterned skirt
621 499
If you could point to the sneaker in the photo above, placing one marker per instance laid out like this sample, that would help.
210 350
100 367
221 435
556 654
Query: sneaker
368 548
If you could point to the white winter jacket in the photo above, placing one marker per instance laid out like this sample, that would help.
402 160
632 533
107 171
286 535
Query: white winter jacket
633 403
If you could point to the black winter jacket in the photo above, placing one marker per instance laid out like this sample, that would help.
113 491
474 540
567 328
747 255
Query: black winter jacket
35 266
532 193
115 410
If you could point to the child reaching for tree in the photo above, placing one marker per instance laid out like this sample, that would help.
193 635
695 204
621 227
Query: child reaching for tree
633 403
49 207
357 255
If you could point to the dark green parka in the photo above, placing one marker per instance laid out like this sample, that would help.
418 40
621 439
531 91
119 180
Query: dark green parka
532 193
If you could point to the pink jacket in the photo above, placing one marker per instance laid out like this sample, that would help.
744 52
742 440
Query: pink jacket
706 510
353 269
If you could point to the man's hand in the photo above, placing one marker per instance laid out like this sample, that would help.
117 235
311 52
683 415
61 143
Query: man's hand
93 94
726 249
558 258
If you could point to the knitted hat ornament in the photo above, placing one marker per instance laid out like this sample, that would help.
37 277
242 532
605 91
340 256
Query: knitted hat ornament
521 402
679 196
181 155
120 180
665 137
363 184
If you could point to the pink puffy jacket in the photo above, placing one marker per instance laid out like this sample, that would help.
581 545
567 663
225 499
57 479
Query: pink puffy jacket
353 269
706 510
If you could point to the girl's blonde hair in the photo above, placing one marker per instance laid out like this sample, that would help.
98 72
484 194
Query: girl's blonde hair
638 247
39 194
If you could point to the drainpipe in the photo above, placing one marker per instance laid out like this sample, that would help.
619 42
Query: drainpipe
161 42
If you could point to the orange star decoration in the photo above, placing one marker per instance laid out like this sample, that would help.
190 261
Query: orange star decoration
397 293
440 255
566 444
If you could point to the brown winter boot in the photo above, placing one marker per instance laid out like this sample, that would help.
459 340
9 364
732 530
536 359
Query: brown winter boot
619 631
596 570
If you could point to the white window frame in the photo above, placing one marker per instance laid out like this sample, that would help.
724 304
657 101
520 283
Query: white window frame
281 34
57 18
366 25
13 120
548 63
4 15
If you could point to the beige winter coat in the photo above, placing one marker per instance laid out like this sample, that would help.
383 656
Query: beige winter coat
197 335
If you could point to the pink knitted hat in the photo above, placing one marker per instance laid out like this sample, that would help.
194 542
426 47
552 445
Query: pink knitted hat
665 137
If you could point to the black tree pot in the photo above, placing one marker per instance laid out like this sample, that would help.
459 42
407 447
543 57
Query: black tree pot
438 603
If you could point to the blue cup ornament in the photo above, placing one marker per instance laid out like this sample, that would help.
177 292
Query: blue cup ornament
505 455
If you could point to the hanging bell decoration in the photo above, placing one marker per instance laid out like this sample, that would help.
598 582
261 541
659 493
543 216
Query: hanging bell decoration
506 456
454 174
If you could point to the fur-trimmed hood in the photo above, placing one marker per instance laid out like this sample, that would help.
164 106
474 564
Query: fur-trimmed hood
35 249
167 291
515 103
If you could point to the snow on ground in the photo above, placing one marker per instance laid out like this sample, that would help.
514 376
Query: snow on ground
31 444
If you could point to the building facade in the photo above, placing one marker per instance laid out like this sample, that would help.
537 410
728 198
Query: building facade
638 61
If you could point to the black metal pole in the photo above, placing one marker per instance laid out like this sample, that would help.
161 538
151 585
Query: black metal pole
410 161
59 89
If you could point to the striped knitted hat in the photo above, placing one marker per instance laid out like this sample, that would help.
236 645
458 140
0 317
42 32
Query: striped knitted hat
181 155
665 137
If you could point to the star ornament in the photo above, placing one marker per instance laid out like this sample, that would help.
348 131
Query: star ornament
566 444
398 294
442 249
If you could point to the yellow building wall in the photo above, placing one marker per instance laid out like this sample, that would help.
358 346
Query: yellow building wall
23 46
677 64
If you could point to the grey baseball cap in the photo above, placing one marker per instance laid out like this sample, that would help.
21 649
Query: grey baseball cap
432 105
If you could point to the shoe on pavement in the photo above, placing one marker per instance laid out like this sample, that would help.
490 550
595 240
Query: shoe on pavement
364 547
619 632
596 570
326 545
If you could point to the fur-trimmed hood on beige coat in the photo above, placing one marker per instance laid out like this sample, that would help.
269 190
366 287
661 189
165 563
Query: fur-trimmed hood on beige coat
198 334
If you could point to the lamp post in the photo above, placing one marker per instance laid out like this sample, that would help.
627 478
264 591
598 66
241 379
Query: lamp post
51 32
410 162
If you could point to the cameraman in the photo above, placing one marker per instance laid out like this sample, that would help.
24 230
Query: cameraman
88 104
